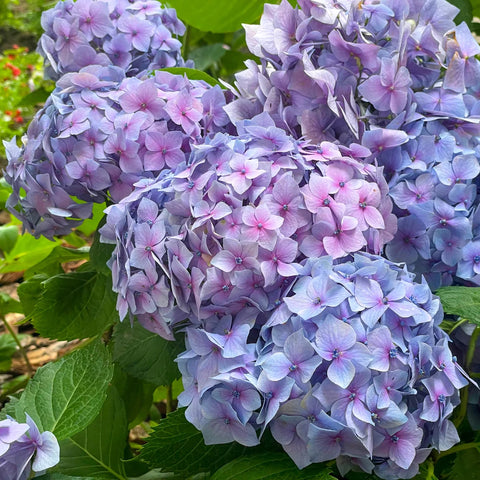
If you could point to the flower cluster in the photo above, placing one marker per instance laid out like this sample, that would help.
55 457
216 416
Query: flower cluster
23 449
400 79
235 221
137 36
351 365
99 133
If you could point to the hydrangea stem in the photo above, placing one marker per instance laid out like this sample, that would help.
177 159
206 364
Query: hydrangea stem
462 411
459 448
169 399
186 43
30 370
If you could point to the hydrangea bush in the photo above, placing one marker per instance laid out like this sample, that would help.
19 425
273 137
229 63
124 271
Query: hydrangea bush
275 242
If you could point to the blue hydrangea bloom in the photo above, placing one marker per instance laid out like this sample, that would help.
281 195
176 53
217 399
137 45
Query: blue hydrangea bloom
330 376
98 134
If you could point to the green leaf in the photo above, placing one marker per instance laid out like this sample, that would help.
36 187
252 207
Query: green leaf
218 15
100 253
8 237
39 95
461 301
466 465
60 476
7 348
27 252
270 466
98 450
161 392
175 445
30 292
52 264
157 474
192 74
74 240
475 8
136 394
75 305
14 385
207 55
144 354
466 11
65 396
9 304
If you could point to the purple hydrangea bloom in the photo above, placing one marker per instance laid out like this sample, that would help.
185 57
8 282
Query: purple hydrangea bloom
404 88
24 449
98 134
219 218
132 35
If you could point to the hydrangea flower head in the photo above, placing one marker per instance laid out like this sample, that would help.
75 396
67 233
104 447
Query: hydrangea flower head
137 36
397 80
330 382
238 217
98 134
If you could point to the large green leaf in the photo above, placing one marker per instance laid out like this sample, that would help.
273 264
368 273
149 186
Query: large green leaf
75 305
192 74
146 355
8 347
27 252
98 450
30 292
52 264
177 446
461 301
8 237
218 15
269 466
60 476
65 396
466 465
466 12
137 396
